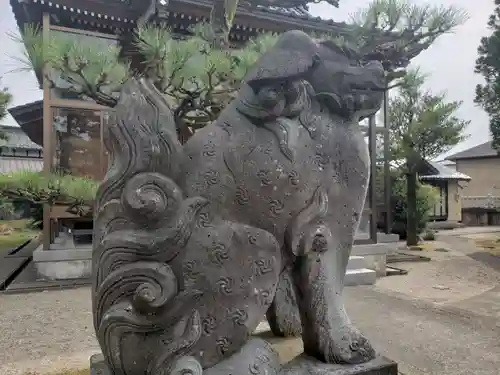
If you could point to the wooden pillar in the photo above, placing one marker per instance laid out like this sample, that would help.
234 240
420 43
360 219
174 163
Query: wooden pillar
47 132
387 167
372 198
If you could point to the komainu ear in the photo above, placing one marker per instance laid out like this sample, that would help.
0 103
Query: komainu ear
293 57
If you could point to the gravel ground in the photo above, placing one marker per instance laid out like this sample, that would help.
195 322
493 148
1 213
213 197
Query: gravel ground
410 319
51 331
46 331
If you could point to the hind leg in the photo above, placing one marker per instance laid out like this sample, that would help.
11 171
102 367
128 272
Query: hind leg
283 316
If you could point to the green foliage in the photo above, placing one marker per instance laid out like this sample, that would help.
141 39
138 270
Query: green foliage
6 208
488 65
398 30
422 124
53 189
5 99
14 234
427 197
89 67
429 235
197 77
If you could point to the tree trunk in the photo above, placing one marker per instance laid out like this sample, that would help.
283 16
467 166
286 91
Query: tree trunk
411 199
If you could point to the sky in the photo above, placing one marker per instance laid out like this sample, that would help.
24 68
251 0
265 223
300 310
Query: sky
449 62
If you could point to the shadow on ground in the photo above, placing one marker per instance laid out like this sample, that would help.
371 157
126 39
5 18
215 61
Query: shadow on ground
488 259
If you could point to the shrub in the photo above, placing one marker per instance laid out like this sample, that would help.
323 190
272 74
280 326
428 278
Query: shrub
429 235
427 197
53 189
7 210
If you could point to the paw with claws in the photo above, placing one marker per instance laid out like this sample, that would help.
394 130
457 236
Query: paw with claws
348 347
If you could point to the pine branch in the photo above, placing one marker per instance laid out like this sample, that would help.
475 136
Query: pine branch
88 67
395 31
199 78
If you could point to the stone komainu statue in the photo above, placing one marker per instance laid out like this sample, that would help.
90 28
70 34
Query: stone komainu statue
194 244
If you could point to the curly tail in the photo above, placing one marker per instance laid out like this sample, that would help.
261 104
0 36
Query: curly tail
142 221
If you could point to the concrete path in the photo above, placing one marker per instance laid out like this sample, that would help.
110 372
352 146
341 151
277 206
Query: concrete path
53 330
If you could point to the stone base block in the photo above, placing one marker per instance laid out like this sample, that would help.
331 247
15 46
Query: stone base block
63 264
382 248
378 263
98 366
304 365
363 276
356 263
301 365
387 237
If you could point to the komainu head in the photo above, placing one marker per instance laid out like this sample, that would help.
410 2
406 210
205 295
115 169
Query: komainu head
341 80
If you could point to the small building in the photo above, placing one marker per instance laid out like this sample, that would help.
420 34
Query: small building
449 183
481 197
482 164
18 152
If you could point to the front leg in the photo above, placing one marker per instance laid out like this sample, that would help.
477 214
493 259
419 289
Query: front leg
327 331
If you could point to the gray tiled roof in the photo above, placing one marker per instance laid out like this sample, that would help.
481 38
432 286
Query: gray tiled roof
483 150
17 138
292 12
442 172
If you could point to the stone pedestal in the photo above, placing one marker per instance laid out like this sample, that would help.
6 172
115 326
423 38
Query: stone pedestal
98 366
64 260
302 365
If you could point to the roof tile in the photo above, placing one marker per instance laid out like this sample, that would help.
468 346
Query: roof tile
17 138
483 150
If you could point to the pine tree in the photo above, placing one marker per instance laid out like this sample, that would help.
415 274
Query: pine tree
196 78
488 65
199 77
423 126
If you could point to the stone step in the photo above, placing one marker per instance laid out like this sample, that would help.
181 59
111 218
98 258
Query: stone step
363 276
356 262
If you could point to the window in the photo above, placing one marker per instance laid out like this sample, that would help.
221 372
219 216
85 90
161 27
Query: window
78 148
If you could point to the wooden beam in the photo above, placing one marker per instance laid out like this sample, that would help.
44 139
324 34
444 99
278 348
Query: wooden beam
70 30
78 104
60 212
